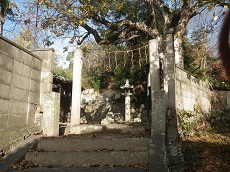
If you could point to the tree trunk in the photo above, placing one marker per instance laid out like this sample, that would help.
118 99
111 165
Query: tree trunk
2 20
1 27
179 33
179 51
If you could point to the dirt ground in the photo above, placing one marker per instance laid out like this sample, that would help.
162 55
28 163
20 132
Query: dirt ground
209 149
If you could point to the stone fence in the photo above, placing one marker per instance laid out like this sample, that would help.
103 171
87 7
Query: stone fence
25 78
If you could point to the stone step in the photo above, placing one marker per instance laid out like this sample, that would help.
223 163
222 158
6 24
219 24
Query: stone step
113 149
110 128
82 169
85 143
90 158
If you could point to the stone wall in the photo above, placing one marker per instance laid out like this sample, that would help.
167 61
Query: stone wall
102 108
223 99
20 95
192 95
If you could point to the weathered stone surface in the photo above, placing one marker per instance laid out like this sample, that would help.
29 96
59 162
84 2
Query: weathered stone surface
6 76
46 87
20 91
18 94
28 60
157 144
5 47
19 108
22 69
13 136
157 154
6 62
32 112
45 53
34 86
4 106
191 92
84 143
51 111
154 64
20 81
158 113
93 158
35 75
3 121
34 98
15 120
37 64
5 91
47 65
47 77
19 150
172 135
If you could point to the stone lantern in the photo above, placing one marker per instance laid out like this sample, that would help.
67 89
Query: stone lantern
127 93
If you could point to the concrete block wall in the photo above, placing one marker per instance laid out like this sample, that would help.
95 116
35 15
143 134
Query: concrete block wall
24 77
49 101
47 56
192 95
20 73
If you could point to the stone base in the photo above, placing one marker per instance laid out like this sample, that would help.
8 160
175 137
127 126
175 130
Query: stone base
110 128
76 129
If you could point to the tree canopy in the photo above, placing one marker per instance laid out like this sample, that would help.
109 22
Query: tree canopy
6 7
118 21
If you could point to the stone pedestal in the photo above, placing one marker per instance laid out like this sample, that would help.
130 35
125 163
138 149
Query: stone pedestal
51 111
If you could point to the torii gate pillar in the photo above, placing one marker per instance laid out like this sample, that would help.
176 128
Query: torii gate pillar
76 93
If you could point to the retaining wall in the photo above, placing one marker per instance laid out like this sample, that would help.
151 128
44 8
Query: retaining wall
21 78
20 85
192 95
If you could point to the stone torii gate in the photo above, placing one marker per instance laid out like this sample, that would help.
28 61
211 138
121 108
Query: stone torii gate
164 146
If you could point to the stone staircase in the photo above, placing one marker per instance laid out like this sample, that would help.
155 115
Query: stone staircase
120 152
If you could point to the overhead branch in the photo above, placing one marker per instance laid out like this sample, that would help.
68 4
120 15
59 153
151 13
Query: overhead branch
196 6
141 26
92 31
101 20
80 40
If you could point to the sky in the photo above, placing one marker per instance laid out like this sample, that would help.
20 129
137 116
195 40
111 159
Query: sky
11 30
